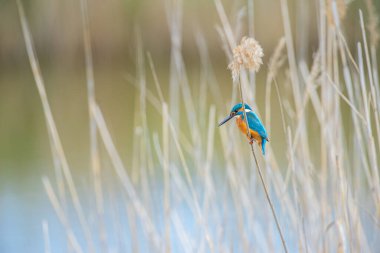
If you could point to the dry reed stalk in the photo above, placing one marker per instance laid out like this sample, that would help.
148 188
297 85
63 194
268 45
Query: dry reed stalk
124 178
251 33
137 131
234 183
208 78
169 121
342 243
368 59
210 142
190 108
310 79
335 11
94 151
178 77
45 230
323 152
374 178
274 64
187 245
190 183
174 14
373 23
206 167
133 226
61 215
166 169
373 26
155 78
296 86
375 102
342 44
204 75
296 192
145 168
347 100
153 100
53 132
229 35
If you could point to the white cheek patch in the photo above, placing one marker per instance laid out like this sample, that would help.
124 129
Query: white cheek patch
246 110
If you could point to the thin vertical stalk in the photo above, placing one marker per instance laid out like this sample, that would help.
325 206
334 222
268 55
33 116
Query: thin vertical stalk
251 32
60 212
260 173
269 200
165 162
94 151
45 230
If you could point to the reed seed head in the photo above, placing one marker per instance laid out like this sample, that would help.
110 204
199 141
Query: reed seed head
248 54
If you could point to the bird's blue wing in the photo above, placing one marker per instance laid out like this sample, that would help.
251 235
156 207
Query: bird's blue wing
256 125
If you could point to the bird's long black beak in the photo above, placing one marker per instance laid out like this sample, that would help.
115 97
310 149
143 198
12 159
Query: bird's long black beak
226 119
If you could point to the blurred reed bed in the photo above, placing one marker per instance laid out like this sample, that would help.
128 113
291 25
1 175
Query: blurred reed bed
193 188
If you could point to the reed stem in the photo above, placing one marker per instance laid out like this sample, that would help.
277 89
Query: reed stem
260 173
269 200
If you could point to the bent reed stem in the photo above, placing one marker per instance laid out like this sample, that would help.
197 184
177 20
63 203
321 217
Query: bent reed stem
259 171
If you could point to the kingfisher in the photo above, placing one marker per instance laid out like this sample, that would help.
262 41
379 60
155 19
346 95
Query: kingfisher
257 130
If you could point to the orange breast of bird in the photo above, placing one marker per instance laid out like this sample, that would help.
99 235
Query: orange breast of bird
243 128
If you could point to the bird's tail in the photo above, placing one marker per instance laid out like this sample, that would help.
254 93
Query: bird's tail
264 141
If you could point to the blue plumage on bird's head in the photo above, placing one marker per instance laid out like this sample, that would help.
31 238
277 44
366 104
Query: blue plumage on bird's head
239 108
236 110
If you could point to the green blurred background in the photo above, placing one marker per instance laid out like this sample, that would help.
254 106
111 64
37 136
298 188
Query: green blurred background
56 28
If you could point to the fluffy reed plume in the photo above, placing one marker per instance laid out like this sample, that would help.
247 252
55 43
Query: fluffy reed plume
248 55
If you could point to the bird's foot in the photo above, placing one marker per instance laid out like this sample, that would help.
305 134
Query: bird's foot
251 141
